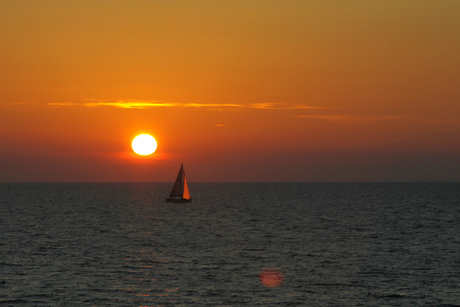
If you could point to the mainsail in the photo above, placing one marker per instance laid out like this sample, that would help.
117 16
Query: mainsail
180 191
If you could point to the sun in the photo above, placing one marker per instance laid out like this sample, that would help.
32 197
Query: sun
144 144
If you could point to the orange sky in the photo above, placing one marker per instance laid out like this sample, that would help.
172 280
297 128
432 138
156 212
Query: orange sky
248 90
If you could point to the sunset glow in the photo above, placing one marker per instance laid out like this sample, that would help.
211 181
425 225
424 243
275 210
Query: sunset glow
239 90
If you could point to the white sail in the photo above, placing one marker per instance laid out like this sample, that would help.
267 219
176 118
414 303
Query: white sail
186 193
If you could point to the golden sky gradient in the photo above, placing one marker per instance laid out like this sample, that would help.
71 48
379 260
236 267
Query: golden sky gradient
294 90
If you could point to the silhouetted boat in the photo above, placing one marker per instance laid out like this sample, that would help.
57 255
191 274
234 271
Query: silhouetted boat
180 192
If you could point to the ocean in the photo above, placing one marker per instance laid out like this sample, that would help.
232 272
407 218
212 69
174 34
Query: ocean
327 244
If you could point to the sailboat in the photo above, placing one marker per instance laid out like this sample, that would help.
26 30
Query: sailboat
180 192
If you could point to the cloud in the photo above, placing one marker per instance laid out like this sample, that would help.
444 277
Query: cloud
281 106
347 118
117 104
358 119
139 104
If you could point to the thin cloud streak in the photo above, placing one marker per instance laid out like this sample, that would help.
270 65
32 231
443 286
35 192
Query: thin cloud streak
281 106
127 104
117 104
346 118
353 118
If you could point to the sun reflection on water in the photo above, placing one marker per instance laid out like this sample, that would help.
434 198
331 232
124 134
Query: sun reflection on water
271 277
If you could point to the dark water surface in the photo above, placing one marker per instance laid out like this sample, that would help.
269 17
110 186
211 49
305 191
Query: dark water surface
344 244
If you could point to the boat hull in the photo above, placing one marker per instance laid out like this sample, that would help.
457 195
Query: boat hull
178 200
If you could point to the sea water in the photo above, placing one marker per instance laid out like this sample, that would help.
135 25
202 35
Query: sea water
334 244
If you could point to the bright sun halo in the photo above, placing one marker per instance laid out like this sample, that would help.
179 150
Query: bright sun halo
144 144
